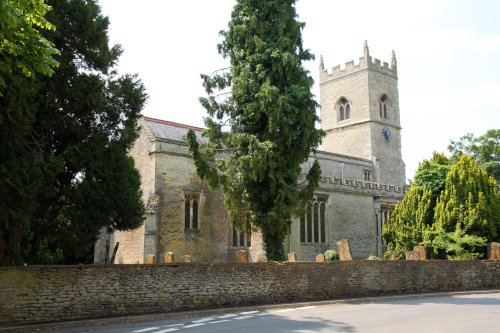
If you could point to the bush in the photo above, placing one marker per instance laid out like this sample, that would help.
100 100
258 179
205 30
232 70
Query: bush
455 245
331 255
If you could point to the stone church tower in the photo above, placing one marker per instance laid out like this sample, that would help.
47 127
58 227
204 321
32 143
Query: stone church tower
360 115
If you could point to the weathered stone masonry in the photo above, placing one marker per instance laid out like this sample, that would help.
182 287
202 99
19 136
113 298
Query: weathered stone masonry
50 293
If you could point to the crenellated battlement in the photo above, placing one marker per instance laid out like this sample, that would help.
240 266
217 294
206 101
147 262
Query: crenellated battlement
360 186
365 62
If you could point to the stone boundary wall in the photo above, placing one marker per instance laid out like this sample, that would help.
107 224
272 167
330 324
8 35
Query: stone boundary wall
35 294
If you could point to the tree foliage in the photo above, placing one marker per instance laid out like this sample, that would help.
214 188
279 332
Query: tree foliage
258 137
24 52
485 150
22 47
409 221
453 218
431 173
453 245
83 121
469 201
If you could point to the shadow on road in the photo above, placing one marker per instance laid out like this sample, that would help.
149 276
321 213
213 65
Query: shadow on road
280 324
269 323
454 300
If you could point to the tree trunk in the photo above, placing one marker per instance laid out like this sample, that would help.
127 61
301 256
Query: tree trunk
10 245
273 245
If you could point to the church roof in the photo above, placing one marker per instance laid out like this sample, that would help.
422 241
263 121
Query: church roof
168 130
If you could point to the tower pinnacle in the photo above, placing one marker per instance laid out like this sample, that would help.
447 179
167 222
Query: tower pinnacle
394 63
366 50
321 64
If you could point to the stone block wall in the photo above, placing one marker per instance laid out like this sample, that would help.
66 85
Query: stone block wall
177 176
50 293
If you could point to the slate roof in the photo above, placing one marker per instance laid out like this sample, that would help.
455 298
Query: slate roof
168 130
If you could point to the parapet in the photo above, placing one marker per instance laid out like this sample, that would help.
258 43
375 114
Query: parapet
360 186
365 62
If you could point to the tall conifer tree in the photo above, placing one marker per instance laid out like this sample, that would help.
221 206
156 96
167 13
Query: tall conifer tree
259 135
469 201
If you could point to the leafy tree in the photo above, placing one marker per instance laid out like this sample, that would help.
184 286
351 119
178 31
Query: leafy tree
469 201
431 174
22 47
409 221
485 150
24 52
84 124
259 136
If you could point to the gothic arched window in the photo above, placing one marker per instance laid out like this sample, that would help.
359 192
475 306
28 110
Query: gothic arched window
344 109
191 202
383 106
241 237
313 222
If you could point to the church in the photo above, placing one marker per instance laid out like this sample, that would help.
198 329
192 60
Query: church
363 177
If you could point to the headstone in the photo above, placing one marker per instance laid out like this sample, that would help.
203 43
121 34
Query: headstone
344 249
320 257
494 251
150 259
292 257
114 253
412 255
186 258
422 252
169 257
241 256
394 255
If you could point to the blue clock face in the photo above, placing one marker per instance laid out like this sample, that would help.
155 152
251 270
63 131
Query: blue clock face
386 134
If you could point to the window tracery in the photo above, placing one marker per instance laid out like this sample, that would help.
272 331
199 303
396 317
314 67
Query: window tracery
344 109
191 209
313 222
383 106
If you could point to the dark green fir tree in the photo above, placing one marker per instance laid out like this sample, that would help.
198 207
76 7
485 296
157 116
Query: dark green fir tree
85 121
260 134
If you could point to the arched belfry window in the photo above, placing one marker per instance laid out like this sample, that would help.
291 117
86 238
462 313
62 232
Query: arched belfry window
383 106
344 109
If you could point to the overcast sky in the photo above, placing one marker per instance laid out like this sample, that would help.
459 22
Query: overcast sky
448 54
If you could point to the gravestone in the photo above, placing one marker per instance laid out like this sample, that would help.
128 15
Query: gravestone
412 255
150 259
186 258
292 257
241 256
394 255
422 252
169 257
320 257
344 249
494 251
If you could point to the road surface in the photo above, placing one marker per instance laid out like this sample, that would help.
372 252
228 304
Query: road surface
477 313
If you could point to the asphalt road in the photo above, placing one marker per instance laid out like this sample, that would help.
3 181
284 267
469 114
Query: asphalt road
478 313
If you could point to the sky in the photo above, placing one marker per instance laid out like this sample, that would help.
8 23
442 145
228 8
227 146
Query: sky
448 54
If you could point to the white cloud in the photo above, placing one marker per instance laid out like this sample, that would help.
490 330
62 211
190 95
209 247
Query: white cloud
489 44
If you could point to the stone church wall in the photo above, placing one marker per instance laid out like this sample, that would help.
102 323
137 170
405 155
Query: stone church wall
131 247
50 293
176 179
